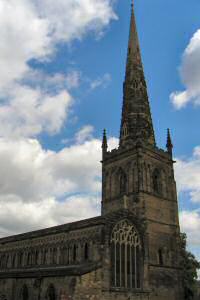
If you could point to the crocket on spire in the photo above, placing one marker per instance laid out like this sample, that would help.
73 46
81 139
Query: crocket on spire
136 123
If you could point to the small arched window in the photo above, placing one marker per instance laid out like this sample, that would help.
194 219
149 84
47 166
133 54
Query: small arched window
126 256
29 259
25 293
13 260
74 253
157 184
20 259
54 260
86 251
122 183
51 293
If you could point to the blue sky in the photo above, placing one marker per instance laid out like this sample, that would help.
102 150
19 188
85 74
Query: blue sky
62 72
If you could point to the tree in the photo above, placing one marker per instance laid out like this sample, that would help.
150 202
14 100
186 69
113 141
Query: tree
190 266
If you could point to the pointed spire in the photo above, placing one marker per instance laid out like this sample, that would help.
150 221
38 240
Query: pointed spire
136 123
104 144
169 144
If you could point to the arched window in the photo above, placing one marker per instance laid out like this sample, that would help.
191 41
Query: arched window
51 293
20 259
86 252
25 294
160 257
13 260
122 183
126 256
157 185
74 253
29 259
54 256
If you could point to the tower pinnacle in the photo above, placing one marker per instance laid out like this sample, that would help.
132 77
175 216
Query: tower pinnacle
136 123
169 144
104 144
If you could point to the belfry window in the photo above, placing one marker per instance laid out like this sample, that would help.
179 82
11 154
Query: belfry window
157 186
122 183
126 256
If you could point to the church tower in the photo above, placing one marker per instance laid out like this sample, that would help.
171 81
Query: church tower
139 190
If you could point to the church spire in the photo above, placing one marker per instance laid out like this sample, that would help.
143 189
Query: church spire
136 124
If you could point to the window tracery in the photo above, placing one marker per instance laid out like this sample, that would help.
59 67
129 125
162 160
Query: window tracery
126 256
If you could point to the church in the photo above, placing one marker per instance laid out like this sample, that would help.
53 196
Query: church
131 251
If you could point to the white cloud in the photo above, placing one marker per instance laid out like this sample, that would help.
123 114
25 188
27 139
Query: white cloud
19 216
31 30
28 112
85 133
72 19
190 74
101 82
188 175
190 223
41 188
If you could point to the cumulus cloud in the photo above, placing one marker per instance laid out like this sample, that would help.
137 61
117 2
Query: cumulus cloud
190 223
41 188
28 112
85 133
190 75
33 28
188 175
31 31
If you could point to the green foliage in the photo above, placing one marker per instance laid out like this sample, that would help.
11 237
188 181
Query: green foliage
190 266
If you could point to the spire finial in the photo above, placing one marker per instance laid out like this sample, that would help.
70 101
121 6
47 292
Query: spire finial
169 144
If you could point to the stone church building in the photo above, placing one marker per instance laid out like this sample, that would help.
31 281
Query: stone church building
131 251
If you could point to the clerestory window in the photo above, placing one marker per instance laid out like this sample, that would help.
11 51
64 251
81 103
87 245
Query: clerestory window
126 256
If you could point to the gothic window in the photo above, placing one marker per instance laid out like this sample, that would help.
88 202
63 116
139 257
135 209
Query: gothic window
126 256
122 183
86 251
36 257
29 259
13 260
54 260
74 253
25 294
51 293
157 185
20 258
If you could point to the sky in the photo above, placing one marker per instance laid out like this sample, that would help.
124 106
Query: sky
62 67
